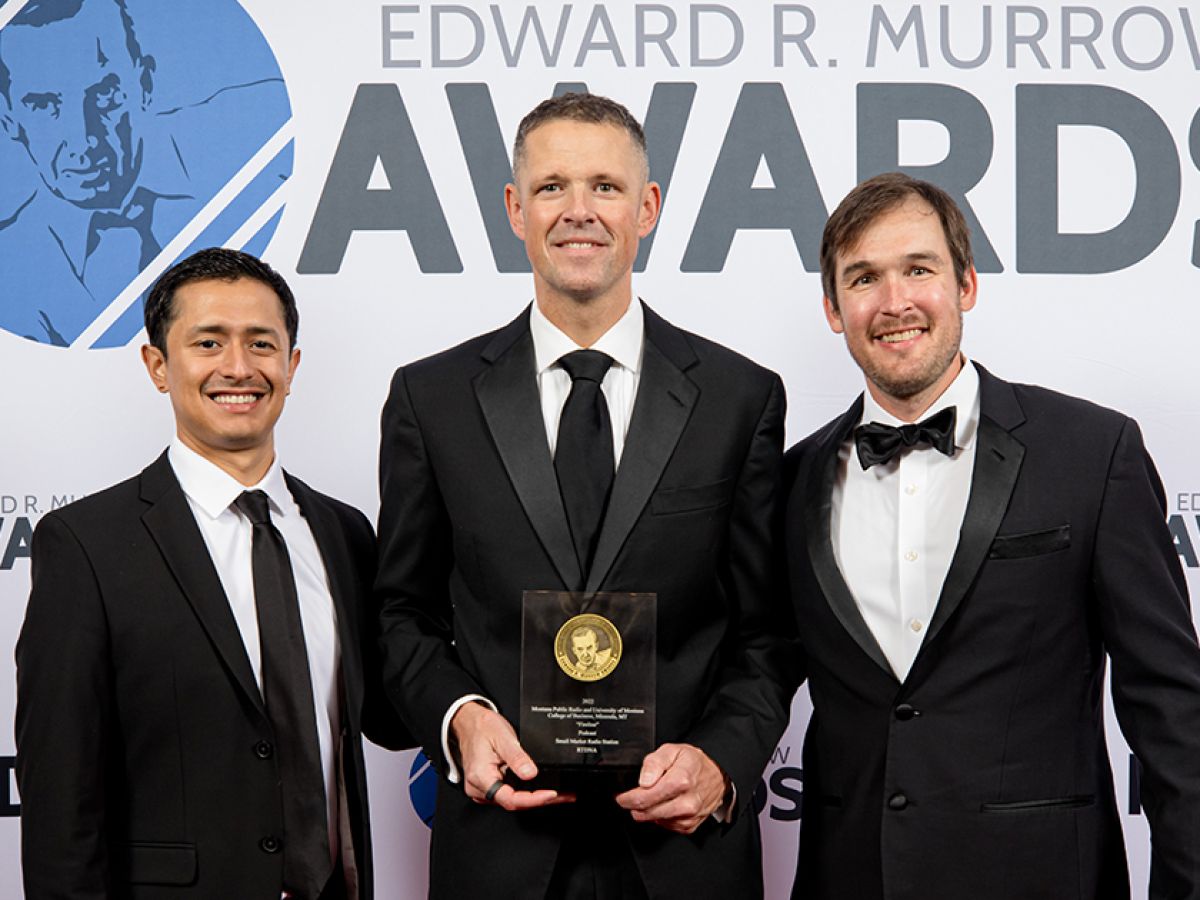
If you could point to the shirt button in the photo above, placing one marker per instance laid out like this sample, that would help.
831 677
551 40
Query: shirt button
897 802
910 489
911 555
916 624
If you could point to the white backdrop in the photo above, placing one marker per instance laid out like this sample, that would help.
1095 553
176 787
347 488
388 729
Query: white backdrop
1065 124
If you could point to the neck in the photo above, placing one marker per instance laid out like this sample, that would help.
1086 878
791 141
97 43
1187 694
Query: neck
584 323
246 466
910 409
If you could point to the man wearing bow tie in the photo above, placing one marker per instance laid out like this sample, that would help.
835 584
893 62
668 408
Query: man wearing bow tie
964 555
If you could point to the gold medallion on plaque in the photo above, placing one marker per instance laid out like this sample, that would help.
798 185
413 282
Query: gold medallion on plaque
588 647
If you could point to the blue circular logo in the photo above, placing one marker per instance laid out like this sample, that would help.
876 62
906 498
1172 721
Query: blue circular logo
422 788
133 133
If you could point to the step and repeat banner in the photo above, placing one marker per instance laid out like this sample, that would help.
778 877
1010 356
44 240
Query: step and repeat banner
362 148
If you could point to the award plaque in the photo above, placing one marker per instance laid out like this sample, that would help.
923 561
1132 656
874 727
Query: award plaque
587 687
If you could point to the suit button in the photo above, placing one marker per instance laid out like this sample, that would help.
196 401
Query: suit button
897 802
905 711
270 844
264 750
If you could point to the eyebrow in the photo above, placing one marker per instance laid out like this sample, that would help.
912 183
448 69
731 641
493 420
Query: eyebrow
222 329
863 265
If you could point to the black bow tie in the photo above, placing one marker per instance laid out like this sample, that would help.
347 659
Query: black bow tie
878 443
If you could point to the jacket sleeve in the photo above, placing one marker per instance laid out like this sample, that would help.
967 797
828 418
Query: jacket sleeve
380 723
748 710
421 671
1148 633
64 719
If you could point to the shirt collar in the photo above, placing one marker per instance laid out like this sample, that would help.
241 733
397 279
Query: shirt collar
623 341
213 489
963 393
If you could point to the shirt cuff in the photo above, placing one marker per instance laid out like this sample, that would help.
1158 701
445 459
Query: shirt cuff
724 813
452 774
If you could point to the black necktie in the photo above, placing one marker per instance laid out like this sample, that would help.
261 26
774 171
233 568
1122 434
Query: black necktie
583 455
287 690
878 443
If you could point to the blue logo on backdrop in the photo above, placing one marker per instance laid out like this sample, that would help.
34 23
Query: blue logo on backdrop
137 132
422 788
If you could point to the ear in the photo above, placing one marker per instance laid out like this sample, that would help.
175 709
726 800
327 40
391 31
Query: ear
156 366
293 365
832 316
516 213
968 291
651 206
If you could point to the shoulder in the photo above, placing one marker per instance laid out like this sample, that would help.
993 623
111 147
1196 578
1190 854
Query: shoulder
458 364
349 516
1045 408
705 358
96 510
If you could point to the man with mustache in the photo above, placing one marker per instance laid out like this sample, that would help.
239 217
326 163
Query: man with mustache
479 504
964 555
198 660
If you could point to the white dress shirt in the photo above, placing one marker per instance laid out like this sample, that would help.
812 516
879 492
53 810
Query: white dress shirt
894 527
623 342
210 493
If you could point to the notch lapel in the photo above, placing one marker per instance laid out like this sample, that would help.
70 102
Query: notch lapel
173 527
998 457
663 406
818 505
336 556
508 396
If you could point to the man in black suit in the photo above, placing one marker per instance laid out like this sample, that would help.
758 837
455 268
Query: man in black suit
198 660
964 554
476 509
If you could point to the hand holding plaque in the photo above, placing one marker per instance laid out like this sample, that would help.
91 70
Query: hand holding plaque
588 686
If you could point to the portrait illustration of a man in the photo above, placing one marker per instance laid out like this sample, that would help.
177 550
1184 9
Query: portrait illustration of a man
113 174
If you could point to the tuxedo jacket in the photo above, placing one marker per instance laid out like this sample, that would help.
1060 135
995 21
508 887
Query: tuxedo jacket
144 754
984 774
471 517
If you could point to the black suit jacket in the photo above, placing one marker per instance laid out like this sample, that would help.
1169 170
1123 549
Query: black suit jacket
985 775
143 749
471 517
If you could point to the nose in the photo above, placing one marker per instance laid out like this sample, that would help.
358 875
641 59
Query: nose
896 299
579 210
236 363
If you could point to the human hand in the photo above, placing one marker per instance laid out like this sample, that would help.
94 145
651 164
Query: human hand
678 788
489 746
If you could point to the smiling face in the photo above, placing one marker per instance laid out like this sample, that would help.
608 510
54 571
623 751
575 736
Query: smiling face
228 368
75 100
581 204
900 307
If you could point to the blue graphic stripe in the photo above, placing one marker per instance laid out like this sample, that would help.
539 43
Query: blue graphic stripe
216 234
257 245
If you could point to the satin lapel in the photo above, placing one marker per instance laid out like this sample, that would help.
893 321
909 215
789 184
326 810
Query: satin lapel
508 395
337 559
173 528
998 457
664 403
818 504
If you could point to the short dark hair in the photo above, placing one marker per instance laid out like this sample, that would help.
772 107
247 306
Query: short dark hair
578 107
219 264
877 196
37 13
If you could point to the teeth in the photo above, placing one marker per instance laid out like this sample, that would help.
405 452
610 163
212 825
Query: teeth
899 336
579 244
229 399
